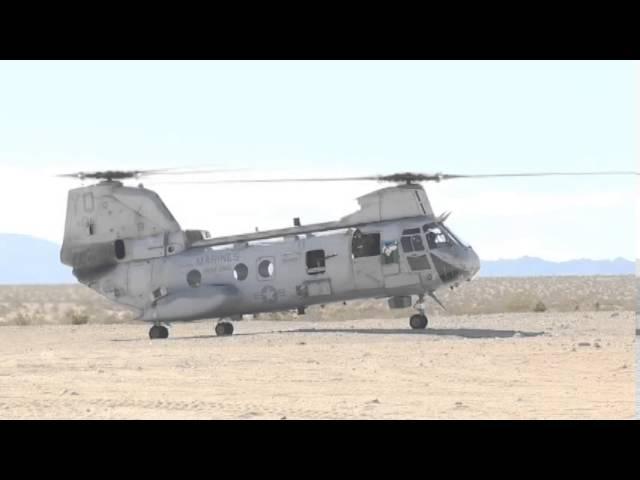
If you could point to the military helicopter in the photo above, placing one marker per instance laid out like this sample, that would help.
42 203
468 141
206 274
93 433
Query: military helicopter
124 243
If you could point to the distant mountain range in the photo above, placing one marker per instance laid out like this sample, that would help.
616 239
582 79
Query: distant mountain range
536 267
25 259
29 260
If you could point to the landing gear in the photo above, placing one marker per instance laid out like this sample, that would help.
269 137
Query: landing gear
158 331
419 320
224 329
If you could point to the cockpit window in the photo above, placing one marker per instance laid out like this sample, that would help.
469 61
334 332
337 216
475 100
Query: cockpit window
417 243
435 236
412 243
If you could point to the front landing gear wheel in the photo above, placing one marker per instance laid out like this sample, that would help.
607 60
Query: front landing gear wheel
158 331
224 329
418 321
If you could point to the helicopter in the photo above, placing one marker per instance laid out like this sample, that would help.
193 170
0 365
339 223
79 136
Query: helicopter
124 243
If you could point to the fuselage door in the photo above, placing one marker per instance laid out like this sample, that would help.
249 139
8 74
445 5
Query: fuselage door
367 262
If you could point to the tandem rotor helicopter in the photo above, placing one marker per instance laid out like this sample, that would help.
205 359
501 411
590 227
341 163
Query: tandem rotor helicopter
124 243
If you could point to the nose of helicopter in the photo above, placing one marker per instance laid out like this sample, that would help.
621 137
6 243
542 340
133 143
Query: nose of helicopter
457 264
473 263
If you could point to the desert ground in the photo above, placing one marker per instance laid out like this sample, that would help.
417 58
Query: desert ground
539 348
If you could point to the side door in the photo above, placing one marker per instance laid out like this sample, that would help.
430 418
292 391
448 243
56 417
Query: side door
367 261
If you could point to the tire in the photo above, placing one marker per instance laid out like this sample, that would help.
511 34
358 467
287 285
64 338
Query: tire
222 329
228 328
418 322
157 332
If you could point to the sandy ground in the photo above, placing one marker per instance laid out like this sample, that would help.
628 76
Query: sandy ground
76 304
526 365
637 379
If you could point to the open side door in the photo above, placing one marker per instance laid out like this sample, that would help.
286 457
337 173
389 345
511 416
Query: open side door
367 261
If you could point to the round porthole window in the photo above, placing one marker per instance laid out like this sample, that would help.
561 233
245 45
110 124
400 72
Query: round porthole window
240 271
265 268
194 278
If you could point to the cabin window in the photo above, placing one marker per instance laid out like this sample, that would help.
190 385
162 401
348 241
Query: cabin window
315 262
194 278
365 244
119 247
240 271
265 268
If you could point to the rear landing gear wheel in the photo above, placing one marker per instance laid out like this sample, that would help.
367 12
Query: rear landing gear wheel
158 331
418 321
224 329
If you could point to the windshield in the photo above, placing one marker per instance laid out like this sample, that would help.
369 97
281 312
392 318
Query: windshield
435 236
438 235
454 237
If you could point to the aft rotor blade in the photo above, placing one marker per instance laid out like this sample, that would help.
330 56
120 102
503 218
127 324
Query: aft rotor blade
197 172
278 180
125 174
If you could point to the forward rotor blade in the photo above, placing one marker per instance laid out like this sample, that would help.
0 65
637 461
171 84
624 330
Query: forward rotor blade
539 174
402 177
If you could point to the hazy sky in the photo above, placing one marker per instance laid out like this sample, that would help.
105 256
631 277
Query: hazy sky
330 118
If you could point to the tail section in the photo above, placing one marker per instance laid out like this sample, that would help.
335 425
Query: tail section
109 224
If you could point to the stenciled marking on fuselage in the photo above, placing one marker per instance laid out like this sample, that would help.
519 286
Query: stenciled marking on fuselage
217 259
225 267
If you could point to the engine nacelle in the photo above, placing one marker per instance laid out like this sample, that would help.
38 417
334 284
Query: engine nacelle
192 304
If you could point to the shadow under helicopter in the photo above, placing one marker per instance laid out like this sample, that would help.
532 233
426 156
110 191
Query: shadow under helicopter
473 333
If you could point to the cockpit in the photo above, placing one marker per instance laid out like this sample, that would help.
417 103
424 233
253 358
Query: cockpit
451 257
436 235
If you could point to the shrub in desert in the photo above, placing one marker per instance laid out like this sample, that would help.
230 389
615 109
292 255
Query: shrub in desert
540 307
518 303
77 318
22 319
112 317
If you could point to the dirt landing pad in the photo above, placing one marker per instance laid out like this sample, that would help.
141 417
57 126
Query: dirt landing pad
531 365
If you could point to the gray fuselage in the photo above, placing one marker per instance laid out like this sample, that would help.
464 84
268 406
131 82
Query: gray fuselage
297 271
